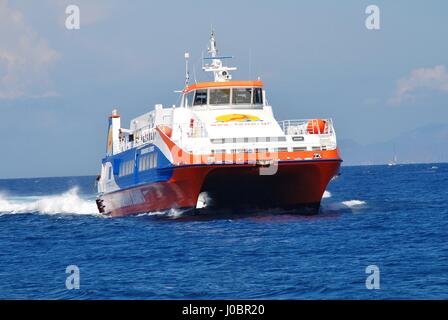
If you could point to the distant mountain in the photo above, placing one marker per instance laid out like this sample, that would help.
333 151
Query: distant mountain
424 144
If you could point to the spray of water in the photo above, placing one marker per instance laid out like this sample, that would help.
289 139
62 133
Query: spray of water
72 203
69 202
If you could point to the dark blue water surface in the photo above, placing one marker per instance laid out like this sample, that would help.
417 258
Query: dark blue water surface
393 217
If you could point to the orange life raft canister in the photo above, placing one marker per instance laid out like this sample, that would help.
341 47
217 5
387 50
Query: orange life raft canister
316 126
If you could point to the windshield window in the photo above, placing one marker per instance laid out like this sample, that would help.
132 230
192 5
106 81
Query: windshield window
200 97
241 96
220 96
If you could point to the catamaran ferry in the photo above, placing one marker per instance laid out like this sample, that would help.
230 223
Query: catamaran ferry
220 148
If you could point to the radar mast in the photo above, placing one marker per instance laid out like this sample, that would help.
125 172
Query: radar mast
220 72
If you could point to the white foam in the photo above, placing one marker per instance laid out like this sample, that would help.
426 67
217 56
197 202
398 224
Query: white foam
349 204
204 200
353 203
175 213
69 202
327 194
170 213
148 214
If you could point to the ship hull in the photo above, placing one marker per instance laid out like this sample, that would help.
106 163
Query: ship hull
295 186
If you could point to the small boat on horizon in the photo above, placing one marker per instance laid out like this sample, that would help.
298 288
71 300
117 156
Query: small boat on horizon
221 147
394 161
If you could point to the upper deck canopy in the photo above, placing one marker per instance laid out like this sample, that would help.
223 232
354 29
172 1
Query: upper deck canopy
227 84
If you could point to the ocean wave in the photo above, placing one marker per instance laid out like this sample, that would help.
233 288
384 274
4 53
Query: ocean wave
69 202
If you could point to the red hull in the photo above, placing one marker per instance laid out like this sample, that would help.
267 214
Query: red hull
296 184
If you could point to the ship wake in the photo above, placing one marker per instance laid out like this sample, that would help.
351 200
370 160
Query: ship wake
173 213
67 203
72 203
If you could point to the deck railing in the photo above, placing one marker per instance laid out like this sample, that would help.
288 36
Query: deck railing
322 127
306 126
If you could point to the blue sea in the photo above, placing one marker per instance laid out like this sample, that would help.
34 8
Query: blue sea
395 218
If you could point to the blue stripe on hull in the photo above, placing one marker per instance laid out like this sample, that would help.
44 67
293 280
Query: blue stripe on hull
162 172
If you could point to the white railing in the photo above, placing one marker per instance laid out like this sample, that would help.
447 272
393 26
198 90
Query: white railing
147 134
197 130
141 136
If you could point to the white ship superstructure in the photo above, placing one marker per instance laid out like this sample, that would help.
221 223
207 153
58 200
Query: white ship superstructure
222 130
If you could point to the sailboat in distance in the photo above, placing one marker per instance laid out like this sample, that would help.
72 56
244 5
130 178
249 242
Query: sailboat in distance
394 161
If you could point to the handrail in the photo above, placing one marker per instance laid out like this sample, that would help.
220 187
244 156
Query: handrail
300 126
142 136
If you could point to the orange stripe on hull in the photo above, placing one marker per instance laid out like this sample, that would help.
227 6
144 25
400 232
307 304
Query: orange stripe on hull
182 157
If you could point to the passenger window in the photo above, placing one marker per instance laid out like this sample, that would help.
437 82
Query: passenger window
200 97
241 96
220 96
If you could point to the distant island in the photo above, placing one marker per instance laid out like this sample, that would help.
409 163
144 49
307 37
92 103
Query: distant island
427 144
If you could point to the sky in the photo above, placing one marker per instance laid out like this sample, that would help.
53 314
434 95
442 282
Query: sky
316 58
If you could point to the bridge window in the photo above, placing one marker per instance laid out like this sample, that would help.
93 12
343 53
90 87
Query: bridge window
224 97
219 96
258 96
241 96
200 97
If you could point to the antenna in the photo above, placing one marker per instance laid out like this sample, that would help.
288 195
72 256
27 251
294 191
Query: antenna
202 60
213 50
194 74
250 63
187 74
